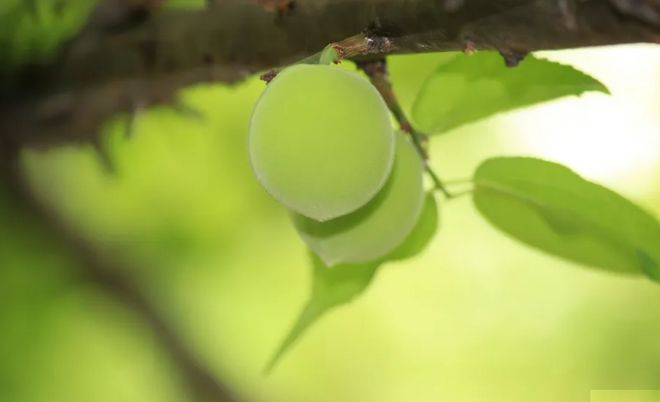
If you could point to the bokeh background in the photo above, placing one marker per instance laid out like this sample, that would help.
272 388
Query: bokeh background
476 317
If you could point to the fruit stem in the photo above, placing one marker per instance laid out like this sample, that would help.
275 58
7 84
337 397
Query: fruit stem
332 54
378 74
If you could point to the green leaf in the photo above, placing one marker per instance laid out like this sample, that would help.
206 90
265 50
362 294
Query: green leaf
331 287
32 31
329 55
421 235
550 207
470 88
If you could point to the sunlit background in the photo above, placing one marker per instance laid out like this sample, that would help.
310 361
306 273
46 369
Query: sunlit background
477 317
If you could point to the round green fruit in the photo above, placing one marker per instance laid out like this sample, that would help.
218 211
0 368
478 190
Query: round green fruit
321 141
381 225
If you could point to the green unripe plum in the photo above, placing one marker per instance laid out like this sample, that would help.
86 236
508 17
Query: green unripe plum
321 141
381 225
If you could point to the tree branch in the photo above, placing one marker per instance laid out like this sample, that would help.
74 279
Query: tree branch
132 52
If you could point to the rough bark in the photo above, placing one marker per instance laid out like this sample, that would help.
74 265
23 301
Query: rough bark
134 54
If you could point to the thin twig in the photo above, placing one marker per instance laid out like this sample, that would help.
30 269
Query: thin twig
377 72
458 194
110 277
451 182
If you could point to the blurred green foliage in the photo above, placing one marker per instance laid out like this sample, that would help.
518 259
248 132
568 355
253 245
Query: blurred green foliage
31 30
60 339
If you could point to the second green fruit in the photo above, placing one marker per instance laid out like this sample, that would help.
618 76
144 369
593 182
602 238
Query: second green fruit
379 227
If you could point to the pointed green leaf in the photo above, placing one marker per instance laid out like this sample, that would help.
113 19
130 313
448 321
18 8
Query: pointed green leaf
550 207
331 287
470 88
